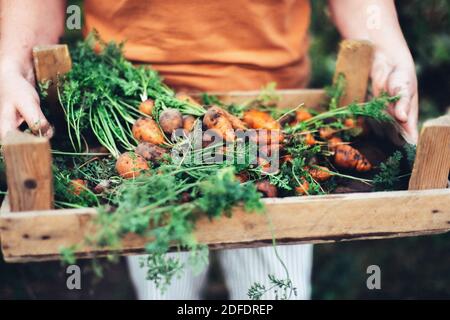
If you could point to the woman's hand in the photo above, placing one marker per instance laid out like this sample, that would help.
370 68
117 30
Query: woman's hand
23 25
397 76
393 69
19 100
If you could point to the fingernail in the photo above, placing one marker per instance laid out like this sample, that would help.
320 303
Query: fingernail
49 133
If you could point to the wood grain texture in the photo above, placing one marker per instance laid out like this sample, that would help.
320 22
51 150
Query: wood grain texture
290 98
34 236
354 61
50 63
432 164
28 172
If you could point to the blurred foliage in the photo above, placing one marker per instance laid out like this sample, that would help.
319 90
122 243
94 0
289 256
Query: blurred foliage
411 268
47 280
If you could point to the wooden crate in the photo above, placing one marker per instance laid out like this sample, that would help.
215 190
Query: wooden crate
30 230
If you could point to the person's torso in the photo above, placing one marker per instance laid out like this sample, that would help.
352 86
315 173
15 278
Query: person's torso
210 45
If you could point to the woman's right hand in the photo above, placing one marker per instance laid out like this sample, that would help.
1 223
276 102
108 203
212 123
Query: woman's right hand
19 100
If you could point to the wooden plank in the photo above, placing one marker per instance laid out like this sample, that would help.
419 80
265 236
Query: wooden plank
50 63
34 236
290 98
354 61
432 163
28 172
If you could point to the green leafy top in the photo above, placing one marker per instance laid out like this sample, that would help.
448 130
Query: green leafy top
389 172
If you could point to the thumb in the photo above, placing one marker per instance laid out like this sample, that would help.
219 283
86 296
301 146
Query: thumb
402 107
31 112
410 126
400 83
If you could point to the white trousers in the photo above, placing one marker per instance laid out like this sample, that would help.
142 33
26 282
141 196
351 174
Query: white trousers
241 267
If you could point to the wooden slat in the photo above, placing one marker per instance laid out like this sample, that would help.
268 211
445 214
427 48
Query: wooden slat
432 163
314 219
28 172
354 61
290 98
50 63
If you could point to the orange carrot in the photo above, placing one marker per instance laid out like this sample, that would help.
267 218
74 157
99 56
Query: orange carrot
319 173
350 123
257 119
309 139
242 177
130 165
265 165
77 186
216 120
268 189
147 107
287 158
188 123
147 130
150 152
303 188
302 115
347 157
334 142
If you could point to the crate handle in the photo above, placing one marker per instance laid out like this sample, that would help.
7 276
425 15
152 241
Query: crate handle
28 171
432 164
354 61
51 62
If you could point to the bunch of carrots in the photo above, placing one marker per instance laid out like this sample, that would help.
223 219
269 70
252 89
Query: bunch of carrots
154 133
132 114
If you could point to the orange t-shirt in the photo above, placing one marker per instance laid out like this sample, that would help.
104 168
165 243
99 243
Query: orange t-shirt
211 45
